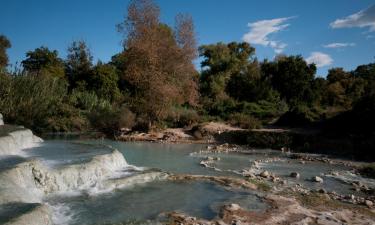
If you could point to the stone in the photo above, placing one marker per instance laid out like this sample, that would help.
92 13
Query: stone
1 120
233 207
322 191
317 179
369 203
264 174
294 174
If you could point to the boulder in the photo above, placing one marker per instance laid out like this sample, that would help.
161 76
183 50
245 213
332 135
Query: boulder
317 179
294 174
1 119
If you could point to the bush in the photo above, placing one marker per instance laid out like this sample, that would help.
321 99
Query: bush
244 121
263 109
299 117
368 170
126 118
105 120
182 117
30 100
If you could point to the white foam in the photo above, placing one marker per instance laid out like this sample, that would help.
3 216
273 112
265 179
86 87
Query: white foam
61 214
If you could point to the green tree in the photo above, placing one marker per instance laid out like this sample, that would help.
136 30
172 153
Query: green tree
292 77
222 61
78 65
43 62
104 82
4 45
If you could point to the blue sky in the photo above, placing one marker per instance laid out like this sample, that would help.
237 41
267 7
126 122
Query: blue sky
334 33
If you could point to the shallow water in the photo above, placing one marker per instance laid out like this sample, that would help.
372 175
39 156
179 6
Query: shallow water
144 202
147 201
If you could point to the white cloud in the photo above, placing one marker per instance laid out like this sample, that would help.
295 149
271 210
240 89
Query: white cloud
320 59
339 45
260 31
363 18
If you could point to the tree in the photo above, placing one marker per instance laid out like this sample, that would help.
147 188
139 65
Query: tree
158 60
78 65
221 62
4 45
104 82
43 62
292 77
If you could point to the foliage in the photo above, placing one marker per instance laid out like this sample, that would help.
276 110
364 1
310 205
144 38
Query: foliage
220 62
44 62
127 118
368 170
158 60
78 65
299 116
182 116
4 45
104 82
26 100
292 77
244 121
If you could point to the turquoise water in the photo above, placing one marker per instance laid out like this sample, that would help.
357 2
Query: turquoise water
149 201
140 202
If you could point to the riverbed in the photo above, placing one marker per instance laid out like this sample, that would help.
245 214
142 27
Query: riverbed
122 198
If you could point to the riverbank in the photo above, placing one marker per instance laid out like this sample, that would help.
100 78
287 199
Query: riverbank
355 147
235 170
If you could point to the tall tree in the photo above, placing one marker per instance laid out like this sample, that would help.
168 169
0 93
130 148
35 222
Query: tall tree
43 61
158 60
78 64
225 61
4 45
292 77
104 82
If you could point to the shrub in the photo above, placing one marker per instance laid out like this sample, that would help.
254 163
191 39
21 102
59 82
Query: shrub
31 100
126 118
244 121
368 170
299 116
182 117
105 120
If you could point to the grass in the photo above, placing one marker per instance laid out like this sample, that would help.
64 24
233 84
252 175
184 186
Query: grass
263 186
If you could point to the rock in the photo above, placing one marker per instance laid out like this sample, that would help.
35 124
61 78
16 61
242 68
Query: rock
322 191
369 203
294 174
1 119
317 179
233 207
264 174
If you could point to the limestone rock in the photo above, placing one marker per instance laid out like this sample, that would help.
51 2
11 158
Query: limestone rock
264 174
317 179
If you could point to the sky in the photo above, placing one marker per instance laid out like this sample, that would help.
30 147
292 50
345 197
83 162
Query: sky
334 33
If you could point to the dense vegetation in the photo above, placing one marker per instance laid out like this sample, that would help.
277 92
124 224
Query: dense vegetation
153 83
